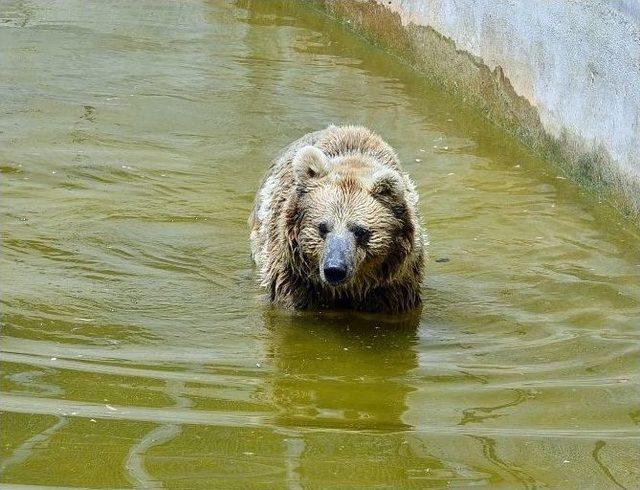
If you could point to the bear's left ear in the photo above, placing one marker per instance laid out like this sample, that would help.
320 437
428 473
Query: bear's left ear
386 184
310 163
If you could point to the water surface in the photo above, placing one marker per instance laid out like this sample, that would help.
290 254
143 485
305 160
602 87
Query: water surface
136 348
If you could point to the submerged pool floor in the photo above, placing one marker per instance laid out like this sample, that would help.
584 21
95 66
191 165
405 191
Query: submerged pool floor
136 348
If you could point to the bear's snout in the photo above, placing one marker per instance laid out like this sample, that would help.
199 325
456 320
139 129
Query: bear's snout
337 265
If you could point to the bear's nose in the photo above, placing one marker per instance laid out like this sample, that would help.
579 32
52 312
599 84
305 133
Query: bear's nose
335 273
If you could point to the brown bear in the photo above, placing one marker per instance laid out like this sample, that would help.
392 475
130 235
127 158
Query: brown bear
335 225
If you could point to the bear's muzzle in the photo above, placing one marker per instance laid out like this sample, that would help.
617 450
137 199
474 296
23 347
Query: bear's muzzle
339 257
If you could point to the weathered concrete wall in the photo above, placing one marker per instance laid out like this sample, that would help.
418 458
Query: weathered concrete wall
564 75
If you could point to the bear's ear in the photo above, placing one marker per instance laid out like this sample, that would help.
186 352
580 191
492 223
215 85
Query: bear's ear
386 184
310 163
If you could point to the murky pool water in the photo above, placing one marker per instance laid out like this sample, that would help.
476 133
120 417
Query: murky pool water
136 349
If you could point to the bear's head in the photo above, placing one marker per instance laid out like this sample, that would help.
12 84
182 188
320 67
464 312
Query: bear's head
355 218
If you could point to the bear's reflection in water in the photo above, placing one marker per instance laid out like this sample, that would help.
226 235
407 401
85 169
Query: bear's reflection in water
339 390
341 369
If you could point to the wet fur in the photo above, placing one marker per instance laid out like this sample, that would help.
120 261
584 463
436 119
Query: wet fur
367 185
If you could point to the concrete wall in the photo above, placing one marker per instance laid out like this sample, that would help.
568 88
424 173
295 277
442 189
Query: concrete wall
564 75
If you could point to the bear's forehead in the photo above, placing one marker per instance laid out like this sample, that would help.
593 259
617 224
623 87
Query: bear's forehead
351 174
341 187
349 181
356 163
351 168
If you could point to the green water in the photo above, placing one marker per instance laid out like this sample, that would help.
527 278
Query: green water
136 348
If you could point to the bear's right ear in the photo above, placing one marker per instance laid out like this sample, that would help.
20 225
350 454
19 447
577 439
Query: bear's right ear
310 163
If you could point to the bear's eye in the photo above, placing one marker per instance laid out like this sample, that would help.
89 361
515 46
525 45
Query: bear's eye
361 233
323 228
